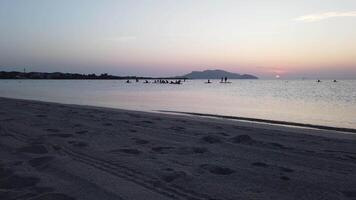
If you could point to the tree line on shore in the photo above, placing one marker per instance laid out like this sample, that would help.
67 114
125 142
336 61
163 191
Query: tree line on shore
60 75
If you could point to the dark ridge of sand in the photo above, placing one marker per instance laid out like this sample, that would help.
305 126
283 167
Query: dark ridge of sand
68 152
331 128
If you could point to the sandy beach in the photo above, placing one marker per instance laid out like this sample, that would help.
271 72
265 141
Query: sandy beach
64 152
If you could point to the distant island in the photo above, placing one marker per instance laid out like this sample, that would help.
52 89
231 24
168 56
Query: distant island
217 74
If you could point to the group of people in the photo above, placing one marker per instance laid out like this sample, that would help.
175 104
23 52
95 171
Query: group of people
222 79
161 81
319 81
167 82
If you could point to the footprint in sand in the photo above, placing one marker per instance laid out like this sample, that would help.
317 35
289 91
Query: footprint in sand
34 149
7 119
140 141
123 121
40 161
211 139
53 130
279 146
285 169
349 194
285 178
5 172
177 128
107 124
61 135
147 122
173 175
17 163
18 182
243 128
191 150
127 151
243 139
134 115
218 170
14 186
42 190
168 169
78 143
37 140
81 132
260 164
162 150
77 125
222 133
53 196
349 157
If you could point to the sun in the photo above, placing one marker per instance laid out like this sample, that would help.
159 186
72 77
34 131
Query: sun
278 76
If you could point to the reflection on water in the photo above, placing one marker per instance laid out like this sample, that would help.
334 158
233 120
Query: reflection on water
303 101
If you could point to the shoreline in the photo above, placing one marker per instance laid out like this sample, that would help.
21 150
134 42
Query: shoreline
267 121
317 109
64 151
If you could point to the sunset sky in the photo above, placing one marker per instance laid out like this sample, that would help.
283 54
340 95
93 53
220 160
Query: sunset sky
293 39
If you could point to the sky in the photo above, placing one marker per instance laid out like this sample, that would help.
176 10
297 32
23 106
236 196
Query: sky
292 39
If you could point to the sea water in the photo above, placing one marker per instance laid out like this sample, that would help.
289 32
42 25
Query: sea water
303 101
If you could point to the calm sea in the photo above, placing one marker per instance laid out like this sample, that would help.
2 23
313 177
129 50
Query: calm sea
303 101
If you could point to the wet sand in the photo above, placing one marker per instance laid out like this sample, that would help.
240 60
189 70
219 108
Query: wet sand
63 152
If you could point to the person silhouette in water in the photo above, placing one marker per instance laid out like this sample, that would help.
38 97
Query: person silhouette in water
225 79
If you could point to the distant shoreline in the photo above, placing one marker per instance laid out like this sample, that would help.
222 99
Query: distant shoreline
74 76
217 74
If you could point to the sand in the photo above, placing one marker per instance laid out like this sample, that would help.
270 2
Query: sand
64 152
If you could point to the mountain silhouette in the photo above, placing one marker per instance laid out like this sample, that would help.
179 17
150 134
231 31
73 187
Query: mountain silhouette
217 74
